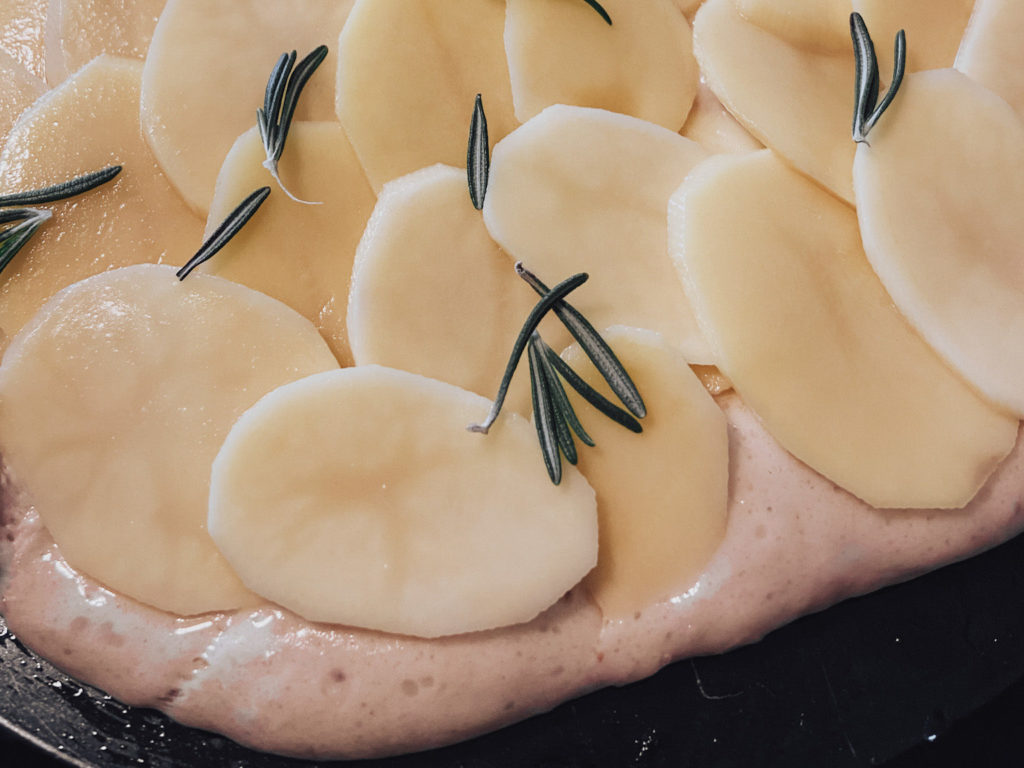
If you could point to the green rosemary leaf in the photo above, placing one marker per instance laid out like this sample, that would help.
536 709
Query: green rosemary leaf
227 230
600 9
867 109
63 190
558 396
544 419
299 77
551 298
596 348
478 155
592 396
562 432
13 238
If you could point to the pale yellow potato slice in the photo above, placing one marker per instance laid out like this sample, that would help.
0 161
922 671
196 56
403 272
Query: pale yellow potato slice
711 126
114 402
933 27
585 190
299 254
819 25
206 74
433 294
77 31
358 497
991 52
21 33
798 102
18 90
408 74
662 494
565 53
940 195
88 123
801 325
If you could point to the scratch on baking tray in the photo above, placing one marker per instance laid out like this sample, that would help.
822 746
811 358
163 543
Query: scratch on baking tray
835 706
705 694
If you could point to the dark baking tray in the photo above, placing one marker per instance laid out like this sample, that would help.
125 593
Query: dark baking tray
855 685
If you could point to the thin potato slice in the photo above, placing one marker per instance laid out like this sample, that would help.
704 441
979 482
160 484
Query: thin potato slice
113 404
299 254
89 122
77 31
358 497
21 33
940 195
206 74
433 294
795 101
565 53
819 25
991 53
408 73
812 343
711 126
661 495
20 89
933 27
585 190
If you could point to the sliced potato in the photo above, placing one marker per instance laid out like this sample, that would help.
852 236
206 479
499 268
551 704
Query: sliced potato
662 495
20 89
88 123
940 194
933 27
433 294
711 126
206 74
798 102
822 25
299 254
113 404
358 497
408 74
565 53
991 53
585 190
77 31
21 33
803 328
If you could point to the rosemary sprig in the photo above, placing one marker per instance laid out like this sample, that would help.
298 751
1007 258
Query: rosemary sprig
592 396
274 118
600 9
63 190
13 239
544 417
478 155
227 230
867 109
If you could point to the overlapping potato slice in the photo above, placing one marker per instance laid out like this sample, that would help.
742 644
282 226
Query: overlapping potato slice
299 254
77 31
661 495
933 27
433 294
585 190
114 402
88 123
796 101
564 53
991 53
20 88
711 126
358 497
820 25
803 328
206 73
407 77
21 33
940 195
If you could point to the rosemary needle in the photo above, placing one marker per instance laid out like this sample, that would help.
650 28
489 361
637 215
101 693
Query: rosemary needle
558 395
226 230
478 155
63 190
600 9
544 417
13 239
867 109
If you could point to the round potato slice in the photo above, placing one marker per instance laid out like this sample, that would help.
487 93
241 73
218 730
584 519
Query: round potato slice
585 190
299 254
991 53
206 74
113 403
408 73
939 196
88 123
565 53
358 497
810 340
